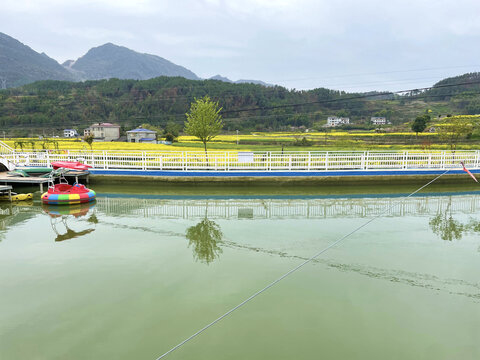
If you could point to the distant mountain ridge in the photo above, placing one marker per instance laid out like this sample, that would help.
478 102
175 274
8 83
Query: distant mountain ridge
241 81
20 65
113 61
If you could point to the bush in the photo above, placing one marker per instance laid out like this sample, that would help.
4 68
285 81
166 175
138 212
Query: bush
303 142
169 137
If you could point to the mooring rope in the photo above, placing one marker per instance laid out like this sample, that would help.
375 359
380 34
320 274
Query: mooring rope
251 297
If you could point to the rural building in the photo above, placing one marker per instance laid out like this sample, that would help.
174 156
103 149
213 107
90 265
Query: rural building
70 133
103 131
378 120
141 135
333 121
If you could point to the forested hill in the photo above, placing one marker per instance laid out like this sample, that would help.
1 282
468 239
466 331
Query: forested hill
61 104
444 89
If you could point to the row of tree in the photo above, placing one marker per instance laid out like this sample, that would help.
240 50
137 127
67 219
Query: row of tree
164 100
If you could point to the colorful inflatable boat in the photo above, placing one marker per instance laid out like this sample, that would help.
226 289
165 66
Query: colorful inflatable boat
60 194
64 193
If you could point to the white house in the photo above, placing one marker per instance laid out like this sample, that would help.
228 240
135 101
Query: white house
103 131
333 121
376 120
70 133
141 135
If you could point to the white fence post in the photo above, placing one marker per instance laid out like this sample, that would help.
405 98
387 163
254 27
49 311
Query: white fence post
326 160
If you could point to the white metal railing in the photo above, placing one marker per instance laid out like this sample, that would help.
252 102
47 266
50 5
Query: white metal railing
252 161
5 149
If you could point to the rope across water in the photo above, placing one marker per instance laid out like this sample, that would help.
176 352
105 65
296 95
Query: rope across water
298 267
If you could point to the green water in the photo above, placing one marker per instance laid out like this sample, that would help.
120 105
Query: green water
142 269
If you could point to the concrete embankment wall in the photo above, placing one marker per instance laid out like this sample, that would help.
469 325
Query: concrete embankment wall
383 177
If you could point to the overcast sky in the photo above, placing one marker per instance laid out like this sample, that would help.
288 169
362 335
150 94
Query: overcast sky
349 45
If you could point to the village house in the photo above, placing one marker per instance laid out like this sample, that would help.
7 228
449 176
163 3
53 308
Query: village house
68 133
141 135
333 121
376 120
103 131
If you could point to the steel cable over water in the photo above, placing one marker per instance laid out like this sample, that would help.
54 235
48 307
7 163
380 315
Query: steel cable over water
298 267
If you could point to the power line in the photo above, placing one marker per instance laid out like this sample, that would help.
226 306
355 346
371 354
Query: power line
363 96
298 267
381 73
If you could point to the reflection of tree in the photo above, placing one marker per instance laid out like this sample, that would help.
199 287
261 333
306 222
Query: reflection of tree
445 226
205 237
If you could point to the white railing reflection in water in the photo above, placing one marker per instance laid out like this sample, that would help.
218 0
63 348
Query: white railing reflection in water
286 209
253 161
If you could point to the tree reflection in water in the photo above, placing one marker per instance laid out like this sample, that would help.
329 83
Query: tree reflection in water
205 238
444 225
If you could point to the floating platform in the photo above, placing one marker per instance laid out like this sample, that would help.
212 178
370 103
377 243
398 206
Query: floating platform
30 180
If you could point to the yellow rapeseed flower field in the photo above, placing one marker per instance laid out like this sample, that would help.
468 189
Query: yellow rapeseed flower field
260 141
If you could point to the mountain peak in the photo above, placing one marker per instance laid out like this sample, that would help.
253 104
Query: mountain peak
114 61
221 78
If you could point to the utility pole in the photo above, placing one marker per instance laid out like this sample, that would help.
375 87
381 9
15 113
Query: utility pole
237 137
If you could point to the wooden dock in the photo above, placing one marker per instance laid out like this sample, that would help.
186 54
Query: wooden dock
7 179
31 180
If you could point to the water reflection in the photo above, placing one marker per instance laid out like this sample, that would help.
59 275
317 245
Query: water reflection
444 225
12 214
205 238
255 208
60 215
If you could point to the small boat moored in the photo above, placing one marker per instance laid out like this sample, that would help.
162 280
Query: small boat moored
68 194
63 193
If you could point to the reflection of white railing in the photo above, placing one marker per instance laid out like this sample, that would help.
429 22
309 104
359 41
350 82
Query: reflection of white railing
285 208
253 161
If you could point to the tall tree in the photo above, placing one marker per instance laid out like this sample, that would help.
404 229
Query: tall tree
204 120
420 123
